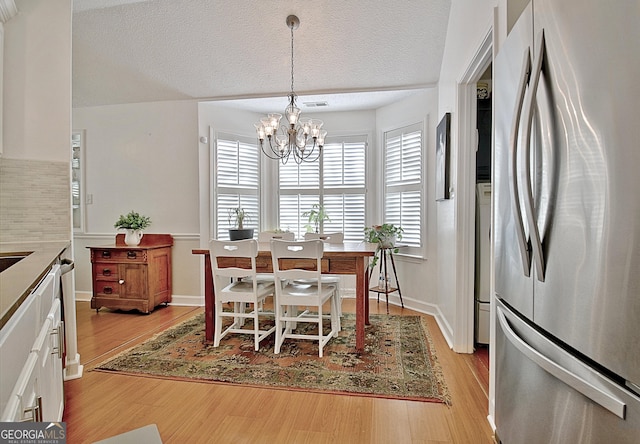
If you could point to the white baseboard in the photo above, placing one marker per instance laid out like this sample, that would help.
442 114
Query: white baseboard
188 301
84 296
176 299
394 299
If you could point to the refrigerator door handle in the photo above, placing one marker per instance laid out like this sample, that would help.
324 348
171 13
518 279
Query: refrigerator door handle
597 395
523 244
536 243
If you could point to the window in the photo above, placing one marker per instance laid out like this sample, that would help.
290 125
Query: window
77 180
337 182
403 182
236 166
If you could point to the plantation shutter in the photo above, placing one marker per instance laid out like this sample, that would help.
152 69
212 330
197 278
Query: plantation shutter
237 181
337 181
403 166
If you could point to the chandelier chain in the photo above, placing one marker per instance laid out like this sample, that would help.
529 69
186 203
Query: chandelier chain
291 59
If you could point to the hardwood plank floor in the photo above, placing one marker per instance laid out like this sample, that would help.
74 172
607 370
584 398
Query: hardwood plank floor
101 405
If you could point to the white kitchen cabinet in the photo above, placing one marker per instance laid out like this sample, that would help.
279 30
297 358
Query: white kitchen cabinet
50 365
24 403
16 342
31 350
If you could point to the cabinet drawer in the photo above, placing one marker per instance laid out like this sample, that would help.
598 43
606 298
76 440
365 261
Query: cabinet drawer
105 271
106 288
119 255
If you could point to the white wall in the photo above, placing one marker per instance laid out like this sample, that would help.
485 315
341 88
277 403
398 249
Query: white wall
469 21
37 81
37 127
36 134
418 276
142 157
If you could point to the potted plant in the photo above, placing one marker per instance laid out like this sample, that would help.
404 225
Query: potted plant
385 236
315 216
237 216
134 224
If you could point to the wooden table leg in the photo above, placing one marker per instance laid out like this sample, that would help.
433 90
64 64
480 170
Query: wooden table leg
209 306
362 306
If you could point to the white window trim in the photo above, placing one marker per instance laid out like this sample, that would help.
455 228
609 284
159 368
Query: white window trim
415 253
213 186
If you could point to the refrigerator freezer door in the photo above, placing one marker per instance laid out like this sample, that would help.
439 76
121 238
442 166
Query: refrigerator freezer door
545 395
511 246
588 99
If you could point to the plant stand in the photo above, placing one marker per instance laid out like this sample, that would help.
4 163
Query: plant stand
386 289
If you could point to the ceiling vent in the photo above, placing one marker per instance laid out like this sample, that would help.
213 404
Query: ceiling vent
315 104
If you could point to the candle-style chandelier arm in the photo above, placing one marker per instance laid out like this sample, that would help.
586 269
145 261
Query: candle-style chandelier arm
290 138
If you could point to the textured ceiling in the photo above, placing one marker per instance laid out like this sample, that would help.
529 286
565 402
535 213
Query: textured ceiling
356 54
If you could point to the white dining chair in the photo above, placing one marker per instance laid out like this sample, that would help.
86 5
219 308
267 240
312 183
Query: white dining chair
244 292
266 236
330 238
291 295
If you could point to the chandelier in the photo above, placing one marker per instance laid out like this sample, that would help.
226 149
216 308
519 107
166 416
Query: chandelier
293 139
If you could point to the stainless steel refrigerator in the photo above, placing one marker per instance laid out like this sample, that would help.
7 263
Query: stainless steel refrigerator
567 224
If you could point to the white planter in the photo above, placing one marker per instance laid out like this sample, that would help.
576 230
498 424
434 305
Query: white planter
387 242
133 237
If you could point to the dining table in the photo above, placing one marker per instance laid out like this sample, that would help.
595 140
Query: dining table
348 258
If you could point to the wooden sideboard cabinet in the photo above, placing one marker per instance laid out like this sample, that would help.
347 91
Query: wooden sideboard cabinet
132 278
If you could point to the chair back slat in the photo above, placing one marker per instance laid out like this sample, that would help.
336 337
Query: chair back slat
233 258
297 254
266 236
330 238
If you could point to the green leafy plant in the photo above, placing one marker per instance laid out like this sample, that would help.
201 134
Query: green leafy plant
132 221
385 236
238 215
316 215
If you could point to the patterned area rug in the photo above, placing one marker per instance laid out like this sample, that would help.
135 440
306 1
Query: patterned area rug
398 362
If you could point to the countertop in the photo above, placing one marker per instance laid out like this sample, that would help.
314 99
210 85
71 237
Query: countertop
17 281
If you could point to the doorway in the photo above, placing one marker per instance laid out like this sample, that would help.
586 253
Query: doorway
482 269
465 202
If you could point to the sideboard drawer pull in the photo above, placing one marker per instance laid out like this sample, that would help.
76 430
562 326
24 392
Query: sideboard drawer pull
108 290
106 272
106 254
131 254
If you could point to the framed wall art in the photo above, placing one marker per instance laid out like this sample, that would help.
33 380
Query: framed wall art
443 148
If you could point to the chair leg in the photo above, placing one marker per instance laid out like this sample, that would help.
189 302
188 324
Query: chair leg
320 335
335 315
279 333
256 328
218 326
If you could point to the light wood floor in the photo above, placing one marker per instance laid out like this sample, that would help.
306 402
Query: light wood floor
101 405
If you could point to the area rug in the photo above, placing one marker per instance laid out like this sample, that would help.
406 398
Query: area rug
398 362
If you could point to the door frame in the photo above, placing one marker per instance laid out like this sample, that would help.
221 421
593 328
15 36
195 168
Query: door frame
463 341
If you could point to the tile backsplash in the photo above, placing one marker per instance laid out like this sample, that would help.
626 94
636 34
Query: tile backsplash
34 200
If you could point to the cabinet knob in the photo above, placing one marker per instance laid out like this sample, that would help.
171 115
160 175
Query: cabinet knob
121 281
131 254
106 272
106 253
108 290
